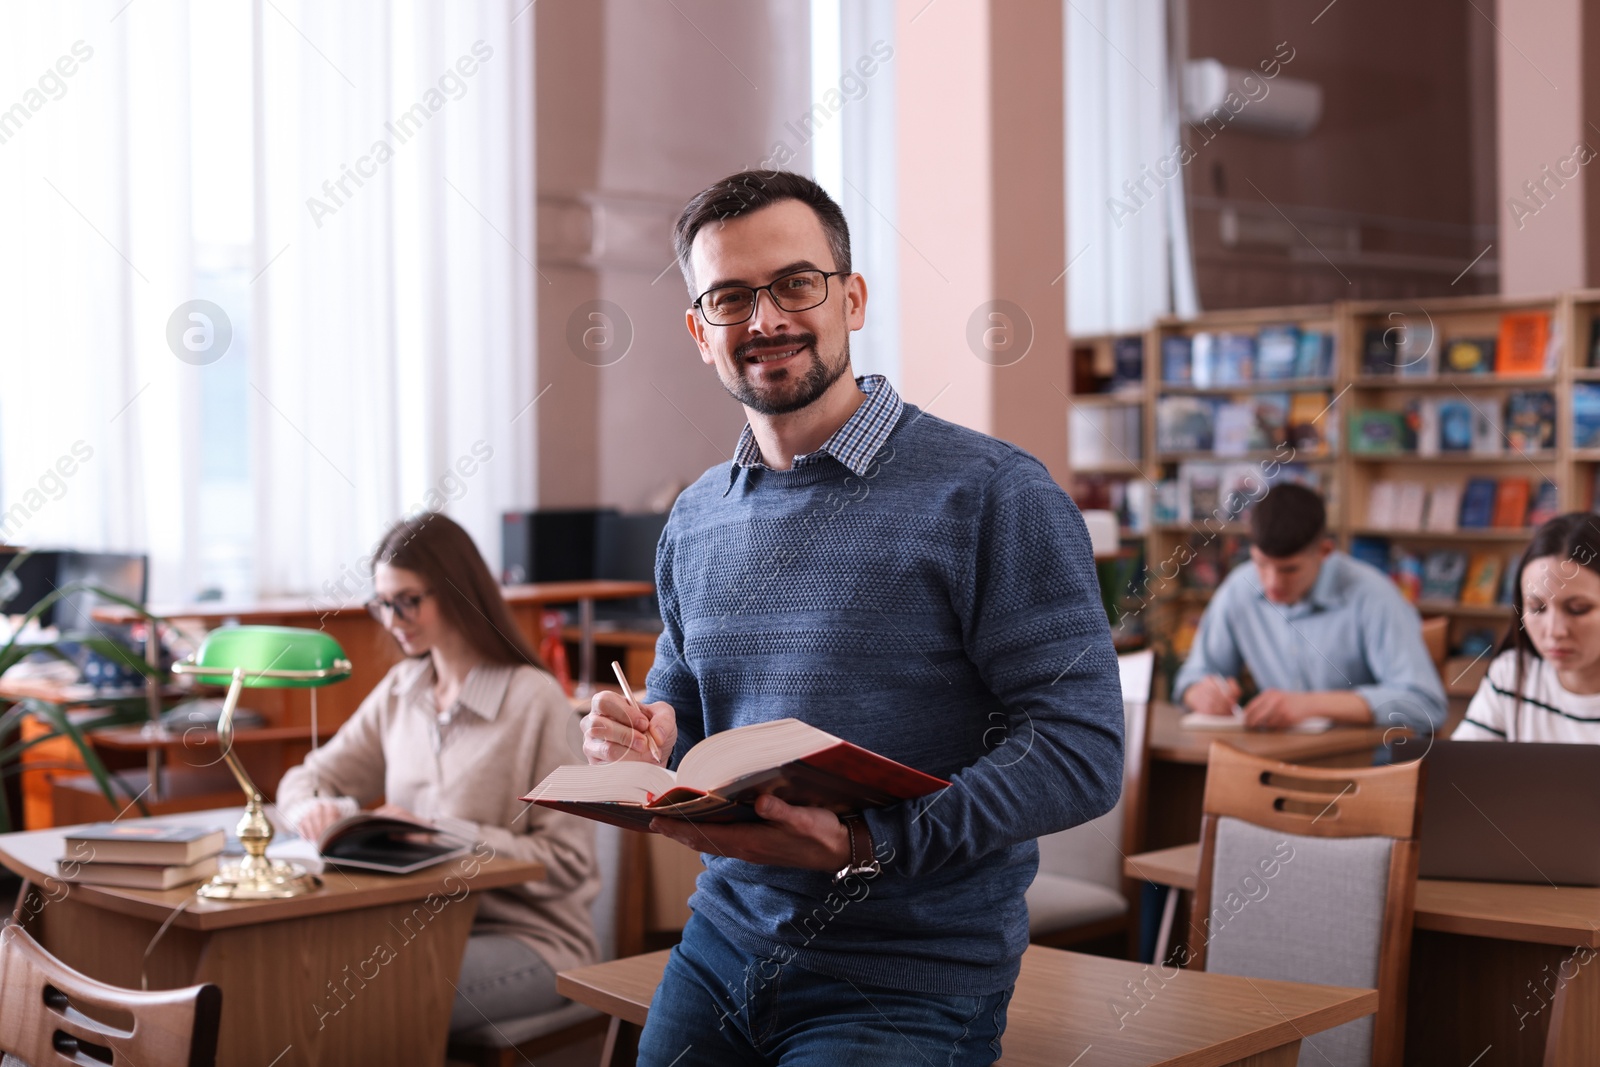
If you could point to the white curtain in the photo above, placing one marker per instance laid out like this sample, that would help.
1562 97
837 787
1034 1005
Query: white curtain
395 309
1127 240
97 440
853 157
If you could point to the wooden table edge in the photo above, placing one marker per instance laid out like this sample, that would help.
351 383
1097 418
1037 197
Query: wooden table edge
572 985
204 915
1357 1005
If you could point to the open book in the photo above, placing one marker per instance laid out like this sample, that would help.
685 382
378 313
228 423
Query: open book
1195 720
721 777
385 843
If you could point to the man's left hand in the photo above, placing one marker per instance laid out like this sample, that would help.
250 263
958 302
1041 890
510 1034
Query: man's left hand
1278 709
810 838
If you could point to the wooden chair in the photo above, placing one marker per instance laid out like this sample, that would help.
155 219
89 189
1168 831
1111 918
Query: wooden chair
1310 875
52 1015
1080 894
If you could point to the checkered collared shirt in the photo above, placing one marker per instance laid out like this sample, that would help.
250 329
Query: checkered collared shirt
853 444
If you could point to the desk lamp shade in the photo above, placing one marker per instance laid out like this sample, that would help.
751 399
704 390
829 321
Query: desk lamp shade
260 657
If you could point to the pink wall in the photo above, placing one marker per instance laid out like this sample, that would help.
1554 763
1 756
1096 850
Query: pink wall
980 146
1541 113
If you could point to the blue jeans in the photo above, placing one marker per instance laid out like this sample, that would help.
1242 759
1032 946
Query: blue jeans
720 1005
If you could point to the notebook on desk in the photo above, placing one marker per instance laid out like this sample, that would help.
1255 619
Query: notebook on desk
1521 812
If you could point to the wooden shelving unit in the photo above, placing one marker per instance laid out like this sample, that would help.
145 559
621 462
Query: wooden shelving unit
1348 476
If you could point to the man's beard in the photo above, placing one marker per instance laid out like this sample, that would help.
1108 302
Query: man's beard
807 387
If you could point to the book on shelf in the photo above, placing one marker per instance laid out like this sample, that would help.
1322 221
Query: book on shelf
1477 504
144 842
1531 420
1185 423
1314 356
1407 574
1443 571
1277 352
1546 504
1483 580
1383 504
1524 343
1586 413
1378 433
1469 355
1305 421
1511 503
1488 430
1422 423
1444 507
1236 359
1199 492
1176 368
1127 355
719 779
1270 427
1235 426
1203 359
1378 352
1410 499
1105 435
1594 342
135 875
1373 551
1508 585
1455 426
1417 355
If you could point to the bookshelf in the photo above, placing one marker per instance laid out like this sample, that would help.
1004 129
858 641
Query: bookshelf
1418 388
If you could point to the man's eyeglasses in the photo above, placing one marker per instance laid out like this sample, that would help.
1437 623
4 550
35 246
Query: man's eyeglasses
403 606
729 305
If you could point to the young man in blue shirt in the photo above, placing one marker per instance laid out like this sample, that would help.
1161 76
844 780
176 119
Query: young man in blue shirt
1322 634
917 588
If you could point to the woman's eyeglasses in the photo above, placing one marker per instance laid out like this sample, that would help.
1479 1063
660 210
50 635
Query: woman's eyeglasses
403 606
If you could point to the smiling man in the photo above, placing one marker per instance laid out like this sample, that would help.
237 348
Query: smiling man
914 587
1322 634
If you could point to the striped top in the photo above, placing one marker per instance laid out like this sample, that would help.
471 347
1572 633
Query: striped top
1547 712
853 444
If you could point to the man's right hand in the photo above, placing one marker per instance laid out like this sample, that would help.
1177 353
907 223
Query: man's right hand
1213 695
613 730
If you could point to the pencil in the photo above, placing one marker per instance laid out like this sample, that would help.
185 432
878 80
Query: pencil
627 692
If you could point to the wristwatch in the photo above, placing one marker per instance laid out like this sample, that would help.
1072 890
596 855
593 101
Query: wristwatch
862 861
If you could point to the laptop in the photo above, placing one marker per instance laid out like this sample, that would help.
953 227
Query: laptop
1512 812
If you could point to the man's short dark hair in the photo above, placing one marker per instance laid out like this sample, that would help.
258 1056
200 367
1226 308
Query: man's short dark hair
752 190
1288 520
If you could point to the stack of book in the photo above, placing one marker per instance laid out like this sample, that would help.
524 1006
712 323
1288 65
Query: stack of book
1265 422
1274 353
141 854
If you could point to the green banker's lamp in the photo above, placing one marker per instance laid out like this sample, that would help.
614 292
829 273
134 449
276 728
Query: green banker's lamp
266 657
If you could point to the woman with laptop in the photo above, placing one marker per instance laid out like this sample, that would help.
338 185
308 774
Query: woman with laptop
1544 682
465 724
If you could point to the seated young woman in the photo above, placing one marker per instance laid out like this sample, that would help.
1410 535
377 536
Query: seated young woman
464 725
1544 682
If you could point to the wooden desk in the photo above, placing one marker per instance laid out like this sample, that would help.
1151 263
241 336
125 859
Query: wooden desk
1507 967
1059 1011
358 971
1178 764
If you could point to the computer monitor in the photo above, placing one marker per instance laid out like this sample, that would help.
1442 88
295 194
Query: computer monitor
125 574
30 581
625 550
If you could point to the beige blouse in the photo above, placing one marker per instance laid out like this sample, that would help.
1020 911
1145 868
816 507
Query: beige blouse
466 770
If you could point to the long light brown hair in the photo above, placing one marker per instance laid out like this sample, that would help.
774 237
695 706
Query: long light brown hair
443 555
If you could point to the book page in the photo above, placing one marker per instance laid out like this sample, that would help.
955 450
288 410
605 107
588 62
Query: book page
626 781
732 754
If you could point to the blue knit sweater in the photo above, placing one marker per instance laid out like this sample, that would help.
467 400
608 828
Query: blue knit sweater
941 609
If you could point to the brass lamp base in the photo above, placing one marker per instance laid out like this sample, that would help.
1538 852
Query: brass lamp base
241 880
254 876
